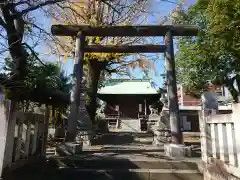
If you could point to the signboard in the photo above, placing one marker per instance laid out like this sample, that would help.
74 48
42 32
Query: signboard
140 107
191 137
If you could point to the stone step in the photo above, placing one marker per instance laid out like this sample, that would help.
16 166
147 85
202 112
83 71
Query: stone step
114 164
129 174
144 140
143 135
119 138
121 151
50 172
130 125
50 151
96 167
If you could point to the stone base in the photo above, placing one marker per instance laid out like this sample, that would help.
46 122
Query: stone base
216 170
69 148
157 142
85 138
161 136
177 150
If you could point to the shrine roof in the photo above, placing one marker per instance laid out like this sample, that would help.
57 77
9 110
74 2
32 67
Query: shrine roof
128 86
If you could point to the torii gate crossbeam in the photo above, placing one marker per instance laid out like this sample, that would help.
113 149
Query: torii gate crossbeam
123 31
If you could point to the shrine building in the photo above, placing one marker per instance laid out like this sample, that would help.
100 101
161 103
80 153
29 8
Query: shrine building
128 101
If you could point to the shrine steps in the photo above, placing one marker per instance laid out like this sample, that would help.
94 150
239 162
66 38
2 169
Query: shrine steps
101 171
108 167
113 161
130 125
132 168
126 162
124 138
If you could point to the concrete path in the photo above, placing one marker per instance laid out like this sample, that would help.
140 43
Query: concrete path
112 160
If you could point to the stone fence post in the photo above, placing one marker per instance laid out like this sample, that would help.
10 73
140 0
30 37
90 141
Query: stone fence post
209 107
209 102
7 126
236 119
45 132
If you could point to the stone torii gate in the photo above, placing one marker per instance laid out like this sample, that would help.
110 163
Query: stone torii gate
116 31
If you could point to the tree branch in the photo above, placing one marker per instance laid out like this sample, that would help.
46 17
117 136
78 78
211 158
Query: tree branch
22 2
50 2
33 53
107 3
110 71
2 23
32 8
169 1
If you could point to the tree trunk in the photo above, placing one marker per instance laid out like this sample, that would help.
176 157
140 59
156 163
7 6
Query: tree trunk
15 30
94 71
14 27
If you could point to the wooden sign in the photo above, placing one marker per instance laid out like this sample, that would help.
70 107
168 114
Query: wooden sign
191 137
140 108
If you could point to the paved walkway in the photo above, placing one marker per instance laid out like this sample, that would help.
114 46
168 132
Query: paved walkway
113 156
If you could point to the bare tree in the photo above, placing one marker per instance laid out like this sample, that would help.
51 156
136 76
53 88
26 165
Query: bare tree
17 23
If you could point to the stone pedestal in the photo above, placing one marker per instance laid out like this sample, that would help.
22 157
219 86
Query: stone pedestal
161 136
177 150
84 137
84 125
152 119
161 129
69 148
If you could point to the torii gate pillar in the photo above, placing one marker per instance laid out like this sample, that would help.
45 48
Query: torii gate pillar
172 90
79 123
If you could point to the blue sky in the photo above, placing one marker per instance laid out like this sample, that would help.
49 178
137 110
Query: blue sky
163 9
160 9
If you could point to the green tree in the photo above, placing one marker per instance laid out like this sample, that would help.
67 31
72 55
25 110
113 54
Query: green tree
40 79
18 27
213 55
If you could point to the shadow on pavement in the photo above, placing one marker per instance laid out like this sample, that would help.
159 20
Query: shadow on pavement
67 169
113 139
90 165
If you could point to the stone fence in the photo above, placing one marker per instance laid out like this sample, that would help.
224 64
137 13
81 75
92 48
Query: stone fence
220 143
22 137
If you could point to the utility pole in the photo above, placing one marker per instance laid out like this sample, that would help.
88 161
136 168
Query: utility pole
172 90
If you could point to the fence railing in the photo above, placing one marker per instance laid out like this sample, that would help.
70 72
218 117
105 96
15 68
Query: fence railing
23 137
220 138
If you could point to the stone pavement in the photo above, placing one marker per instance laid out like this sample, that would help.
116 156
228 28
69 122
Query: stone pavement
109 159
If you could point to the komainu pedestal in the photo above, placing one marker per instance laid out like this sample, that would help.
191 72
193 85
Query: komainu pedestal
161 129
84 125
69 148
177 150
152 119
